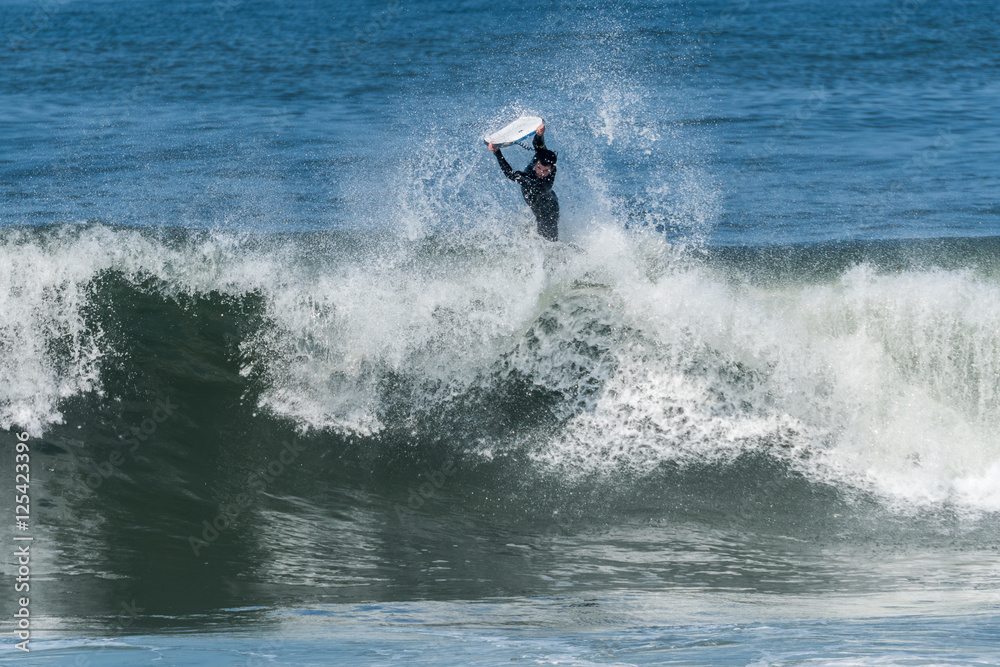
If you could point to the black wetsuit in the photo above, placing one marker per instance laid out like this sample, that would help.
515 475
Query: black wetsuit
537 192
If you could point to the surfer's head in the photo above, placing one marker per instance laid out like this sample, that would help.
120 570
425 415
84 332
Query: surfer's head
546 162
546 157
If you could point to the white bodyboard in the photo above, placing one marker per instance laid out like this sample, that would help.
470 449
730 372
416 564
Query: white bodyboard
522 128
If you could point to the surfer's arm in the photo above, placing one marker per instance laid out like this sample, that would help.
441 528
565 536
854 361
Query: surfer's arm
538 141
506 168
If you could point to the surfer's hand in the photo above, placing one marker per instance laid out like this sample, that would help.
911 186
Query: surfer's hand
540 130
490 146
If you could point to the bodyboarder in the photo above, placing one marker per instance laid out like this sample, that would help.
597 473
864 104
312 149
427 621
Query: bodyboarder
536 184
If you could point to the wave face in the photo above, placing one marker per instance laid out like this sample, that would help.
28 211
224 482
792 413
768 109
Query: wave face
869 370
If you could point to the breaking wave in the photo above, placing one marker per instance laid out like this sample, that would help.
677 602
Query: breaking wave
620 354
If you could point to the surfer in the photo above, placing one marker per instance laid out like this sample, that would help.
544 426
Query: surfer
536 184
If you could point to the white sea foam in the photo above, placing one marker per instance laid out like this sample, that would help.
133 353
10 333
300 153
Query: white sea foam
47 352
874 381
882 382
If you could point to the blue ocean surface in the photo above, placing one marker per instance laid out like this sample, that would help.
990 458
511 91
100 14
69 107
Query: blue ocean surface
297 383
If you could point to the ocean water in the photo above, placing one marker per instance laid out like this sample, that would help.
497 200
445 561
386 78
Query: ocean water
297 384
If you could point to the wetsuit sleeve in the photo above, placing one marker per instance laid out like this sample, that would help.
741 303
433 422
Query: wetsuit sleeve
538 141
506 168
